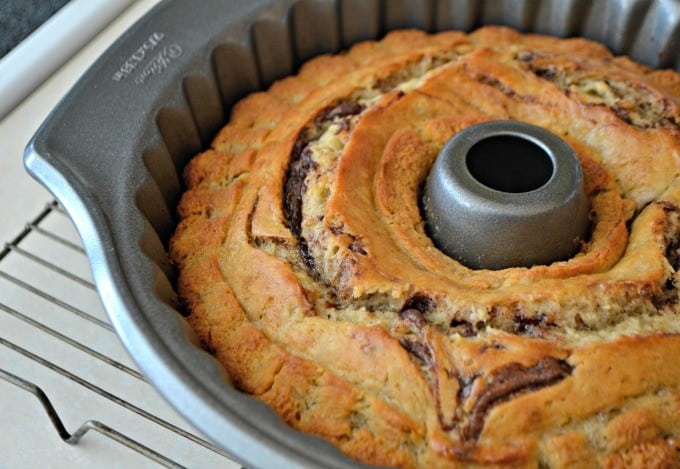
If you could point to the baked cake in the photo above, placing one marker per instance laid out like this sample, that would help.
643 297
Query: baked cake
306 269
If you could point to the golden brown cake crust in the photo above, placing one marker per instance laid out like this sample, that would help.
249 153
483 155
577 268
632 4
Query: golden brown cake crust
306 268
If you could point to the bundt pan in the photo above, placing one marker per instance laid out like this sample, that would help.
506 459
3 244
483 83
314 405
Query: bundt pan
112 151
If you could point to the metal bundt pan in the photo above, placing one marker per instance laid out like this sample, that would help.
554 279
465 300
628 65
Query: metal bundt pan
112 150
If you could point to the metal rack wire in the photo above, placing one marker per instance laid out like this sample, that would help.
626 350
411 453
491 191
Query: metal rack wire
57 341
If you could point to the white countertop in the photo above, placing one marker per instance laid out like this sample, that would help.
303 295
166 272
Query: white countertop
49 311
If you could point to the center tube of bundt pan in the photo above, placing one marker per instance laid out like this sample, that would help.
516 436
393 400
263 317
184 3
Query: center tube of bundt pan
506 194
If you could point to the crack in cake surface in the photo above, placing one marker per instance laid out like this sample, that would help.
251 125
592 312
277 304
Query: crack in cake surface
633 103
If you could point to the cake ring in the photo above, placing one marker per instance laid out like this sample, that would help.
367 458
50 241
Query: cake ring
307 266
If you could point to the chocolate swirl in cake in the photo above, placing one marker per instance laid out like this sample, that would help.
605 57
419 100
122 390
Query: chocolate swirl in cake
511 380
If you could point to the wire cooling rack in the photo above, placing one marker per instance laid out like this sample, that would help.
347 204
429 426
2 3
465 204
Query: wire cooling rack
76 382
